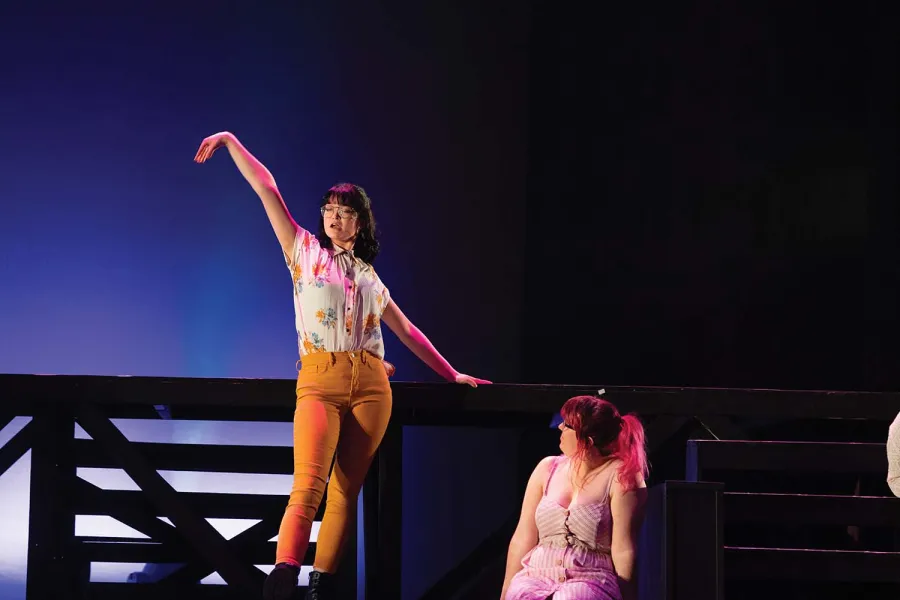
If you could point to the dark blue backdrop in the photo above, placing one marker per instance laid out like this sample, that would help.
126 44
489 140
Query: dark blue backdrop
121 256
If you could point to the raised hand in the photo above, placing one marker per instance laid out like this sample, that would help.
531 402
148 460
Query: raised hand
210 145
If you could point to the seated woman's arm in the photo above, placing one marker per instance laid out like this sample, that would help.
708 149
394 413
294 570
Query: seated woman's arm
627 509
526 535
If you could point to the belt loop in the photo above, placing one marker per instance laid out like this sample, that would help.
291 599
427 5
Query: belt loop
333 359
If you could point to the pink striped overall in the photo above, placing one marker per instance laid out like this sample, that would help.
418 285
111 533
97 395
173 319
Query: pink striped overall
572 558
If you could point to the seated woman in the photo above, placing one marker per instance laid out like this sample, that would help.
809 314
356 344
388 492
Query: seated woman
582 511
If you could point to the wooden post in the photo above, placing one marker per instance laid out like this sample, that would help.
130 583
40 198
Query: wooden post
52 570
681 552
383 509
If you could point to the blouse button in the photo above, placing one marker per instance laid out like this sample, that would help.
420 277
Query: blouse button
562 578
559 562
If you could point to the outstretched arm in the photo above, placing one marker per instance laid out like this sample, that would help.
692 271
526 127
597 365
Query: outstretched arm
260 179
416 341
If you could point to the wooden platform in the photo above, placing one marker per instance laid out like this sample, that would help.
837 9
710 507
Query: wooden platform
260 399
57 559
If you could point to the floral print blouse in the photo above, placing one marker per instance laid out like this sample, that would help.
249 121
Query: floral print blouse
338 299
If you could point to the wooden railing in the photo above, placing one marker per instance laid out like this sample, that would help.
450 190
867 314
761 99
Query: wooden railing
58 561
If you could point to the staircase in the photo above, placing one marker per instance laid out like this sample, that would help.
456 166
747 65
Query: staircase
791 524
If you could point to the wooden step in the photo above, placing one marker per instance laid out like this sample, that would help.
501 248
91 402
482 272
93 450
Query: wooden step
276 460
149 591
812 509
813 457
141 551
93 501
811 565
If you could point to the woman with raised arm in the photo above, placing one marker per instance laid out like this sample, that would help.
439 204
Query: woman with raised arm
582 512
343 393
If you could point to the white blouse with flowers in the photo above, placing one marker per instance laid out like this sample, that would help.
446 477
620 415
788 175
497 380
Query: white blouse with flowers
338 299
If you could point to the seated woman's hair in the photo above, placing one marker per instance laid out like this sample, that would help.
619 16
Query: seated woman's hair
598 424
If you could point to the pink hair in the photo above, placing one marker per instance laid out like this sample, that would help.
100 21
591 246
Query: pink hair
598 424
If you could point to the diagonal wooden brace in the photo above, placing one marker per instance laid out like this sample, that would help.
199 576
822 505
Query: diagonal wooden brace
205 540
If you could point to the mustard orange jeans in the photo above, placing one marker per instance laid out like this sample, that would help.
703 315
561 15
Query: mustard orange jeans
343 408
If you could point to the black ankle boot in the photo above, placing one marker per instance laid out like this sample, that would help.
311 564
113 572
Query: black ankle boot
321 586
281 582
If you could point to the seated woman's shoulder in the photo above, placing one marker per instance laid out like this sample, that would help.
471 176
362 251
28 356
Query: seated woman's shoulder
546 463
549 460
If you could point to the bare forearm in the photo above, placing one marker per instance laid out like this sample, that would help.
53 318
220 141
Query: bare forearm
624 562
517 551
263 183
416 341
256 173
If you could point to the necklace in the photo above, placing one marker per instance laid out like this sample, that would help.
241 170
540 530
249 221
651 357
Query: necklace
590 475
